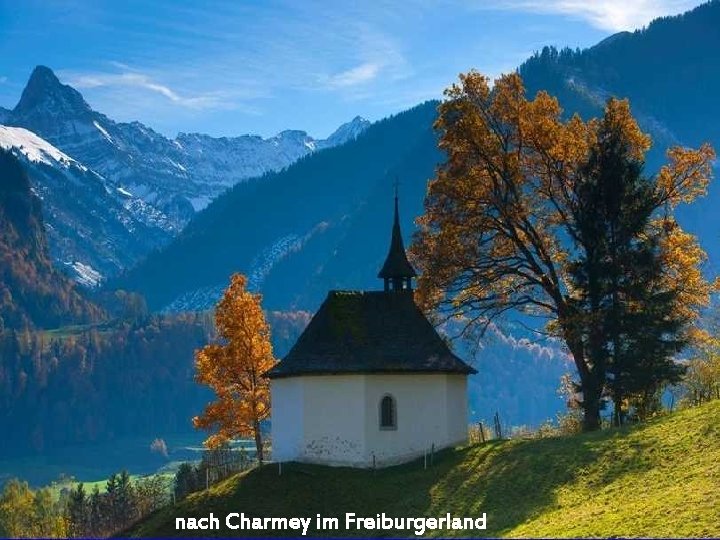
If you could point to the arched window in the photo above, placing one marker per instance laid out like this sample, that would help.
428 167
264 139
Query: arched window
388 413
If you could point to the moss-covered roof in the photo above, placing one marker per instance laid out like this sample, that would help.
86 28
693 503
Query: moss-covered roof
369 332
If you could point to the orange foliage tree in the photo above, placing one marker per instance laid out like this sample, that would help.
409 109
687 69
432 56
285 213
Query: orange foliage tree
234 368
500 233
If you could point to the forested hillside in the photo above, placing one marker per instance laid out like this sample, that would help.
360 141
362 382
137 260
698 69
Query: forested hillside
670 73
668 70
103 382
323 222
32 292
98 384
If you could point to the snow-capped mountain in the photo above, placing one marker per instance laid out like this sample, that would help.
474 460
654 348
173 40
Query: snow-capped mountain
179 176
346 132
113 191
220 162
93 227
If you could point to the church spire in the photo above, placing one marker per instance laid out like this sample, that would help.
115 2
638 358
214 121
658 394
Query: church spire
397 272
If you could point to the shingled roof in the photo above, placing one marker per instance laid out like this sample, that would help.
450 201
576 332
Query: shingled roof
369 332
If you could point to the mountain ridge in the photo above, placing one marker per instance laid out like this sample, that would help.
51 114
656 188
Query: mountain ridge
154 185
93 228
148 164
335 186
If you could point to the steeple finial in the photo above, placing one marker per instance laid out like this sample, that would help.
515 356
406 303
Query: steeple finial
397 272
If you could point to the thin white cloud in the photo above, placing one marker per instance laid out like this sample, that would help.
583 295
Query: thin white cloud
352 52
212 100
611 15
361 74
374 56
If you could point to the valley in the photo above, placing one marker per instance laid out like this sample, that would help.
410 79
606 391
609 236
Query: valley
118 240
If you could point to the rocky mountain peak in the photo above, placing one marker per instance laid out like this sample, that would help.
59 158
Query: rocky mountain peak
44 93
347 131
100 179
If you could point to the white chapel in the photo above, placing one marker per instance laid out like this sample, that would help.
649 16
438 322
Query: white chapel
370 381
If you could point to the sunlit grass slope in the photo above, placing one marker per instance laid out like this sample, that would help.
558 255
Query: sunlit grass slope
659 479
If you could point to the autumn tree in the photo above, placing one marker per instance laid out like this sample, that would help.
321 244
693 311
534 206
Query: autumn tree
701 382
25 513
502 229
234 368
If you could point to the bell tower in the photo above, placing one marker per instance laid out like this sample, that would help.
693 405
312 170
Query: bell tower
397 272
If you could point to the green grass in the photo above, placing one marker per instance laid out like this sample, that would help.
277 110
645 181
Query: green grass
64 332
659 479
57 487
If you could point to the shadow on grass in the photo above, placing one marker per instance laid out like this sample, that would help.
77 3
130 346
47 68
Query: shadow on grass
515 481
512 481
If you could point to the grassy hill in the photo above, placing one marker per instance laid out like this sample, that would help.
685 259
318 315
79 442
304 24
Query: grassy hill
660 479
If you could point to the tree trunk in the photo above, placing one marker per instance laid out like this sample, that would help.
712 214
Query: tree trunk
590 386
617 411
591 409
258 442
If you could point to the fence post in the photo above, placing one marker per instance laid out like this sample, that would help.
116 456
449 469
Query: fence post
207 476
279 468
482 433
432 454
498 427
425 459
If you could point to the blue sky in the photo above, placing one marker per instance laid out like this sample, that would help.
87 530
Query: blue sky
235 67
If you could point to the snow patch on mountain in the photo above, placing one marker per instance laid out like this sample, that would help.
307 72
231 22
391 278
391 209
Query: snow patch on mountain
198 300
103 131
260 267
33 147
178 177
198 203
84 274
94 228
